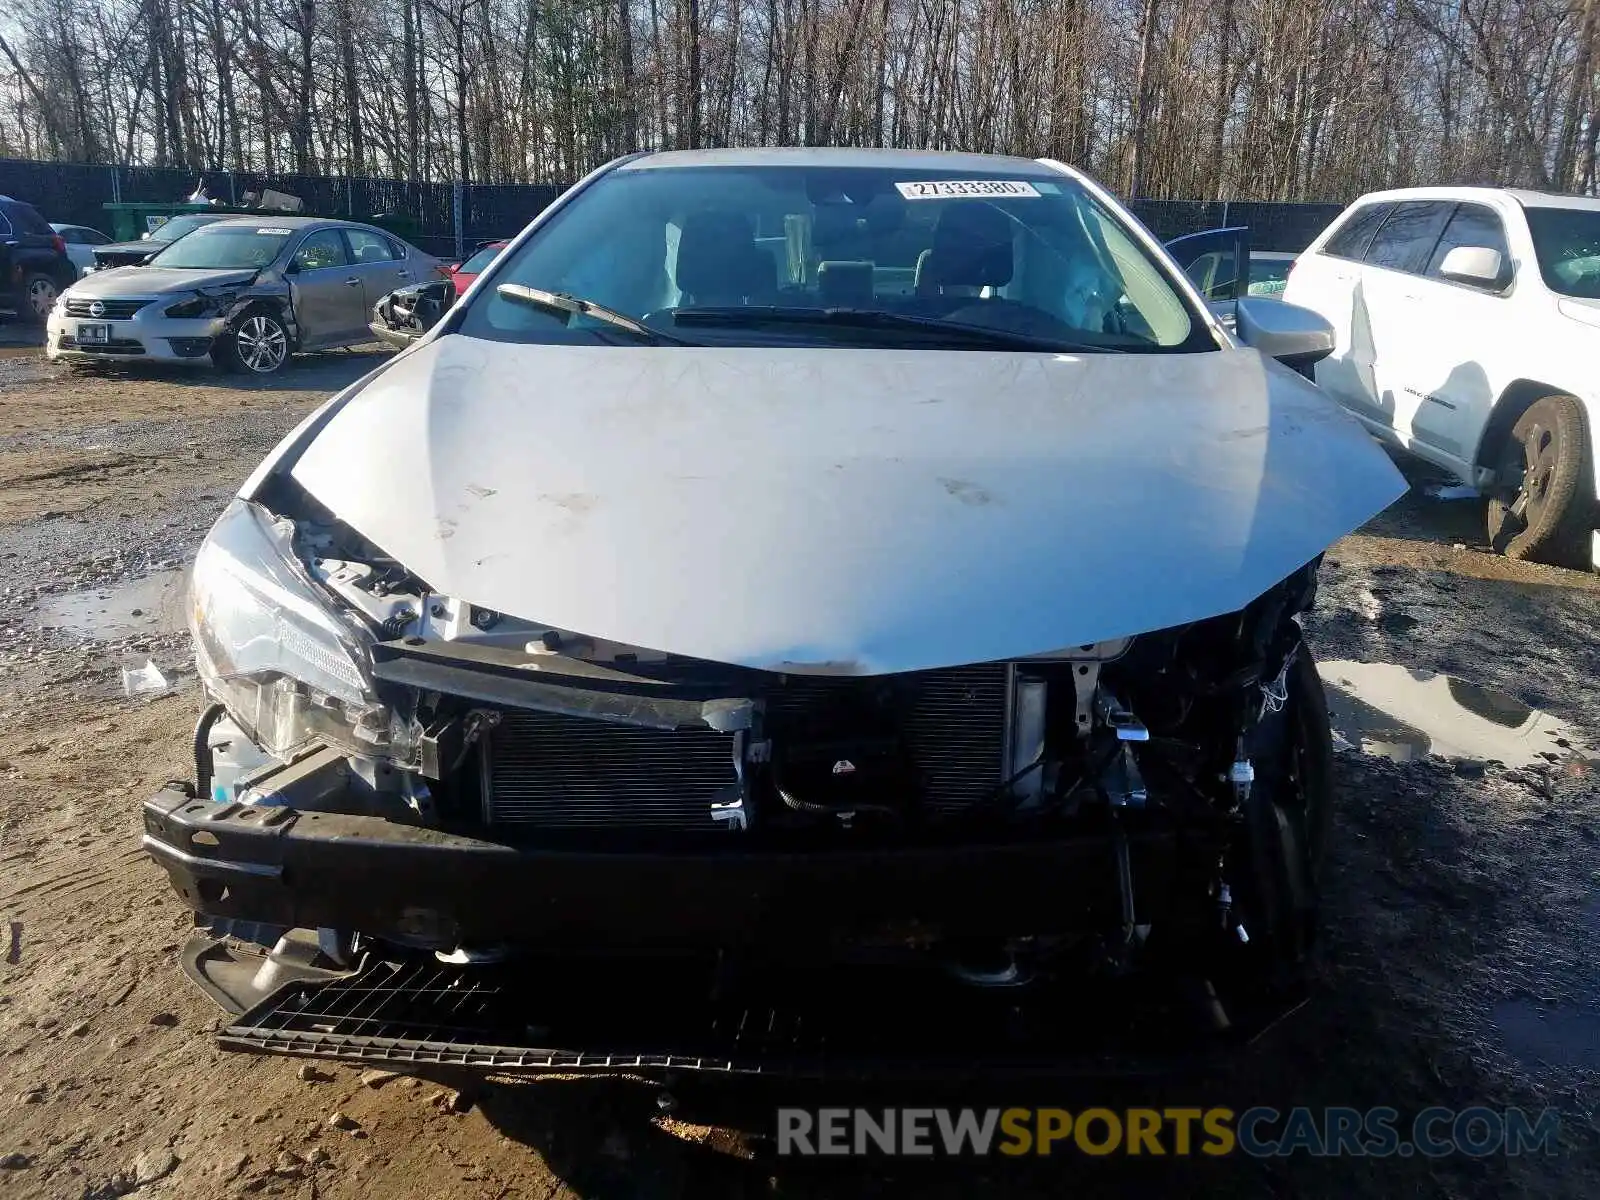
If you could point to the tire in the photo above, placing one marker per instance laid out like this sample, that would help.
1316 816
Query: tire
1542 508
39 292
1286 827
257 343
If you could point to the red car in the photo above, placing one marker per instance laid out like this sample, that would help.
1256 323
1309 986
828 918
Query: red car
464 273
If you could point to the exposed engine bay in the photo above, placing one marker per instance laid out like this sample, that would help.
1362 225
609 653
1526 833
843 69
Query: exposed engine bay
402 316
507 724
1148 802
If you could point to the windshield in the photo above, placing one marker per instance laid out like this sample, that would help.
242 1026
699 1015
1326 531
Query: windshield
480 260
1024 253
1567 243
225 247
174 228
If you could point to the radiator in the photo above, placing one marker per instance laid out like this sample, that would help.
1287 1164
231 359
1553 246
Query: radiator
559 771
551 771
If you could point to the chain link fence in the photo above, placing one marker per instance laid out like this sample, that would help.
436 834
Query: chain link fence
448 219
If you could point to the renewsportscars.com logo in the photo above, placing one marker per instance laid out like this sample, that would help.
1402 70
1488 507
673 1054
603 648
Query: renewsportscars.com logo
1259 1132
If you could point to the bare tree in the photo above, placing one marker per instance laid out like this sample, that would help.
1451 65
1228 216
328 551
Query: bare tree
1280 99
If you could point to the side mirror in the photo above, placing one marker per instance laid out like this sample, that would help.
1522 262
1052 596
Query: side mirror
1478 266
292 267
1295 336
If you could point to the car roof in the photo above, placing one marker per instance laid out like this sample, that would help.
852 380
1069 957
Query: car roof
278 220
838 156
1523 196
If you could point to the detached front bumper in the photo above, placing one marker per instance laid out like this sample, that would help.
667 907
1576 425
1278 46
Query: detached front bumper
425 888
721 961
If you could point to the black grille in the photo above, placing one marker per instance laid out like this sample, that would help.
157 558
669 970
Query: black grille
114 346
111 310
560 771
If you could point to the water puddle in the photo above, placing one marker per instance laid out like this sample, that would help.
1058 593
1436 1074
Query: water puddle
152 605
1543 1033
1541 1036
1394 712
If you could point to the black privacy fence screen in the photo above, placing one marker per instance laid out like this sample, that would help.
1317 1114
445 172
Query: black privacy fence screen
449 219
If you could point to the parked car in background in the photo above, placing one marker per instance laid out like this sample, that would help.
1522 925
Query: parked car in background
464 273
1268 273
855 586
1217 259
1468 333
34 267
80 242
246 292
143 249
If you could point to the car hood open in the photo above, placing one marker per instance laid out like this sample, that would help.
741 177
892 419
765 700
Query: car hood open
843 511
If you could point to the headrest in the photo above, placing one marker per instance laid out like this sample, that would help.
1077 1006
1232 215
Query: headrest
971 248
718 257
841 281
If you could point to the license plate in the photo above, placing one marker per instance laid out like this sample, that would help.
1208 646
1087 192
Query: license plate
94 333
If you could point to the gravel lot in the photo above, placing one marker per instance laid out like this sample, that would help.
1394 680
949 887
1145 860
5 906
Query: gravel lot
1463 908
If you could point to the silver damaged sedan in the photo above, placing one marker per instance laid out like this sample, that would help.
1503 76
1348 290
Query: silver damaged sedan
831 613
244 293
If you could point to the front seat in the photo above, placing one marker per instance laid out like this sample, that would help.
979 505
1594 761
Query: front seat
719 262
971 250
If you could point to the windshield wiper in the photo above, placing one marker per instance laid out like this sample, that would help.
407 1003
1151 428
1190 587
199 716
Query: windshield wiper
745 316
567 307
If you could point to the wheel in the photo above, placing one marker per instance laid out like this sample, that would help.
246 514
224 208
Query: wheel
39 293
1285 833
1542 508
256 343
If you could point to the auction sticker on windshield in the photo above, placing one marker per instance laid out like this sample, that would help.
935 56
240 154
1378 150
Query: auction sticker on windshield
943 189
284 232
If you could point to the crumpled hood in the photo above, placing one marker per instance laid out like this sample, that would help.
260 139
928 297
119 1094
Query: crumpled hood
148 245
845 511
152 281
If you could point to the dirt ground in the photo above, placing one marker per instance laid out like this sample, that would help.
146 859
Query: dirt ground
1462 911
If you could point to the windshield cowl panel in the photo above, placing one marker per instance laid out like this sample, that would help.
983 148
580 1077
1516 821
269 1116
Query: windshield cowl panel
866 256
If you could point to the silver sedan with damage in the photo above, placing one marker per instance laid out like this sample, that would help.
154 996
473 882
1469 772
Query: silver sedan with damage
245 294
817 612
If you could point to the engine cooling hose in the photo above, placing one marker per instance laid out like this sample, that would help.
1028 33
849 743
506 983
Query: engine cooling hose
202 750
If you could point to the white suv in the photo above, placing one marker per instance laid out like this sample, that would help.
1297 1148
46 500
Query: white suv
1467 325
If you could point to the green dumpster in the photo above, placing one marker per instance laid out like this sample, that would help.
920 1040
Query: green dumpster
132 219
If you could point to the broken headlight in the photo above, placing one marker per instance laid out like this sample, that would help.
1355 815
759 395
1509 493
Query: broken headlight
271 646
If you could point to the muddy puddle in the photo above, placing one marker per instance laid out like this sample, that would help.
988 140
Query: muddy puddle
1547 1032
152 605
1405 715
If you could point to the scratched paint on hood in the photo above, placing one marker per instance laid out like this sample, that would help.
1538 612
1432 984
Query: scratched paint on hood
841 510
